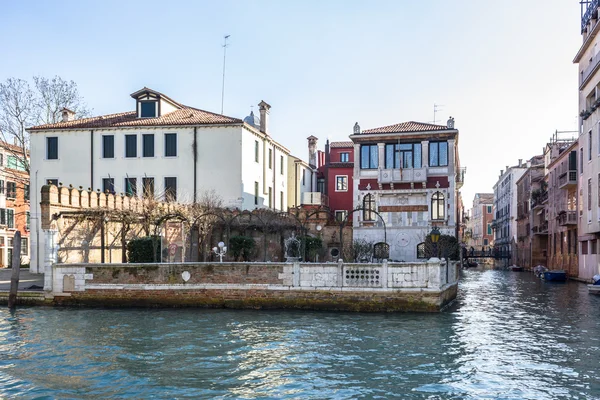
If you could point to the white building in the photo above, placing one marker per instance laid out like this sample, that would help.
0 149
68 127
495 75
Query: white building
163 149
406 178
505 205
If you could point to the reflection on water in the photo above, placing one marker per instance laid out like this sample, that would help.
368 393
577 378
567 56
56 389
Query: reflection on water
508 336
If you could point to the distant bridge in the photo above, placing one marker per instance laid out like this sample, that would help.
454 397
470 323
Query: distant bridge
498 255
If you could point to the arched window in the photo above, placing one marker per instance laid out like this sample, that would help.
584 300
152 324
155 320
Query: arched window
368 208
438 206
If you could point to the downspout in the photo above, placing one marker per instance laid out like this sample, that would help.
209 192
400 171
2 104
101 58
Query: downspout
91 160
195 150
296 185
274 191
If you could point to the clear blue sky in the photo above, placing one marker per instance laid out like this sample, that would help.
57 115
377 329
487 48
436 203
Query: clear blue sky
502 69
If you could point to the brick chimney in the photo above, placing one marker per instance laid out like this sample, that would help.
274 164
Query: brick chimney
312 150
264 108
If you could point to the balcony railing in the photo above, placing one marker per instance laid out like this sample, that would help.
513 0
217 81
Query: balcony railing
567 218
315 198
541 229
539 200
404 175
567 179
591 10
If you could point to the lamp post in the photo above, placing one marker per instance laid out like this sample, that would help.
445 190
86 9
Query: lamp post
220 251
435 236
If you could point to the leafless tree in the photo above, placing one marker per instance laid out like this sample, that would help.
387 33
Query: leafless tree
52 95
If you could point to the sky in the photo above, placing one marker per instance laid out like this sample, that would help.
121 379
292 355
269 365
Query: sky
504 70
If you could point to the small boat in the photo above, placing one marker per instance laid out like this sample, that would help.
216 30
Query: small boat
595 288
556 275
515 268
539 271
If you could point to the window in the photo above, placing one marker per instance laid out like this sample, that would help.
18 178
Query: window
170 189
15 162
256 150
581 160
281 165
28 221
270 158
130 146
281 199
10 218
170 145
589 145
584 247
404 155
131 186
303 177
148 109
11 190
489 209
485 242
24 247
148 186
26 192
256 193
340 215
341 183
108 146
2 216
52 182
369 157
344 157
321 185
270 197
52 148
589 194
438 154
369 208
438 206
1 159
148 145
1 186
108 185
489 229
421 250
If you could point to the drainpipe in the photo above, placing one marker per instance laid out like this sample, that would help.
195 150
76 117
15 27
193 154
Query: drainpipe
195 151
296 185
91 159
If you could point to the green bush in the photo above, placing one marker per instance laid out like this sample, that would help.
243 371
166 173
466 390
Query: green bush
143 250
447 247
241 246
312 246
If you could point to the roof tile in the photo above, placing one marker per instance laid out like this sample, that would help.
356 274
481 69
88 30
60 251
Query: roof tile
410 126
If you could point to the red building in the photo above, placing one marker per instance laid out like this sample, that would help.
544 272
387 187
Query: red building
337 174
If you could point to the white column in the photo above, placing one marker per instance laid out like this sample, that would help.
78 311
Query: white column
50 253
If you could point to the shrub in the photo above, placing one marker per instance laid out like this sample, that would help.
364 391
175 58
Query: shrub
241 246
362 250
143 250
312 246
447 247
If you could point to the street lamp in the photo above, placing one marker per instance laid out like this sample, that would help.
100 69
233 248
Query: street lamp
220 251
435 236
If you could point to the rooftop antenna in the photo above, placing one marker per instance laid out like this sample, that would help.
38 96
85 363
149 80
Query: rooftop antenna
436 108
224 55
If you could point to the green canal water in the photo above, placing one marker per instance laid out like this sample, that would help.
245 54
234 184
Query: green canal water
508 336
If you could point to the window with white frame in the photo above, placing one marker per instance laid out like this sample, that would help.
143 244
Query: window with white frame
369 208
438 206
344 157
341 183
52 148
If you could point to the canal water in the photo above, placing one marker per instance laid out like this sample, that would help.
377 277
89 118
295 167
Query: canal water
508 336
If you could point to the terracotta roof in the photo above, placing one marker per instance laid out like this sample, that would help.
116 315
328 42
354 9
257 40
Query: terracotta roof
486 197
334 145
410 126
184 116
12 147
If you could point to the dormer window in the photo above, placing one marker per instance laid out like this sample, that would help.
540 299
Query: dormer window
148 109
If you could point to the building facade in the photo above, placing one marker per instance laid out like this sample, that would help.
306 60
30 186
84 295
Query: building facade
481 218
406 180
562 212
505 204
531 244
165 150
588 61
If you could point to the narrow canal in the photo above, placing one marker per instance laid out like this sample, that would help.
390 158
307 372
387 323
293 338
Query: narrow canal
508 336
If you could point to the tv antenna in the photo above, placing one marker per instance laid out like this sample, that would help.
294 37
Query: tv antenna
224 56
436 108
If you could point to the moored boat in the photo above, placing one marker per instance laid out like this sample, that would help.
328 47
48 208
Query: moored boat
556 275
515 268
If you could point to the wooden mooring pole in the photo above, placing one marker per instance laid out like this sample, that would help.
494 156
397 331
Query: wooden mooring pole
16 269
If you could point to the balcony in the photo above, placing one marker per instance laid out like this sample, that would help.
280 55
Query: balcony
541 229
460 177
405 175
315 199
591 12
566 218
567 180
538 199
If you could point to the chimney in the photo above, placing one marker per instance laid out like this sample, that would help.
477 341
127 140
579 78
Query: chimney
501 172
450 123
507 168
356 129
312 150
520 162
264 116
67 115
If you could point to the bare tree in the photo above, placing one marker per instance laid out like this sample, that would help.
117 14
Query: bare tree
52 95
